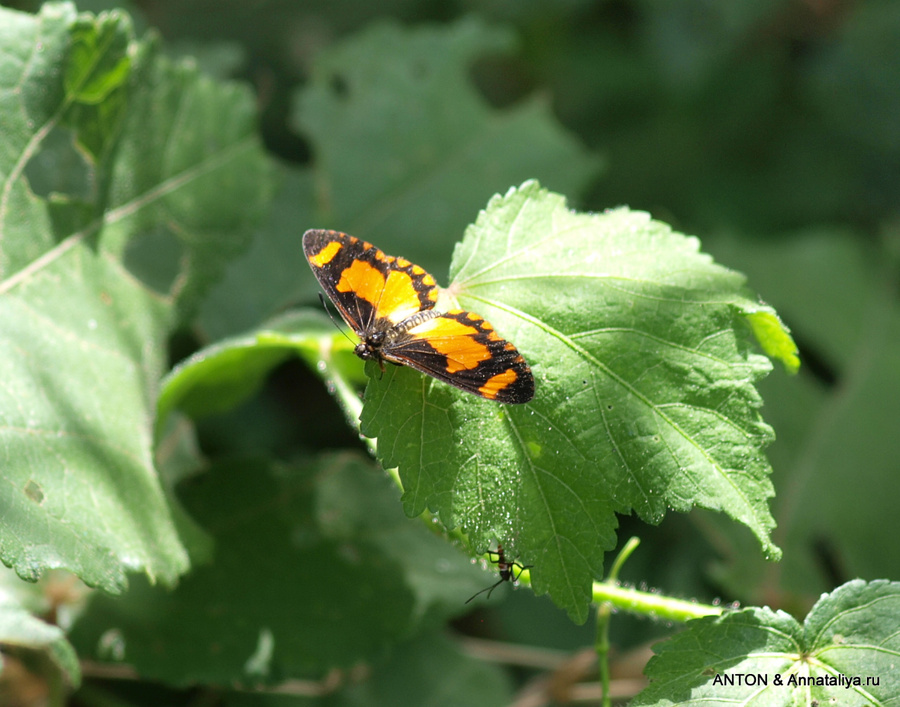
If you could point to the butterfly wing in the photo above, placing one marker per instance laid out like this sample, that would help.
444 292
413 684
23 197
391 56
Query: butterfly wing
462 349
375 292
372 291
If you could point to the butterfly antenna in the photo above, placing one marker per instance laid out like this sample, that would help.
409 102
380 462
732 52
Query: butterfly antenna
333 320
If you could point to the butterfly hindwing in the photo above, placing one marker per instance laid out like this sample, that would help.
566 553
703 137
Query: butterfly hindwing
389 302
462 349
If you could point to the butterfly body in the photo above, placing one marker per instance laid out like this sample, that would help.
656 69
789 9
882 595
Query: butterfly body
389 302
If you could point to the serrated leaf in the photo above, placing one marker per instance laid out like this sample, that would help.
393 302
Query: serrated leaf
105 148
302 582
405 148
645 392
81 491
837 447
844 653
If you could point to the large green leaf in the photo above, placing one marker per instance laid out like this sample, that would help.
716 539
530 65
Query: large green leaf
843 654
272 273
315 568
108 152
837 449
406 149
641 350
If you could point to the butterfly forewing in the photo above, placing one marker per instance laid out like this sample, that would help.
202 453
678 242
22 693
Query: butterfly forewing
365 284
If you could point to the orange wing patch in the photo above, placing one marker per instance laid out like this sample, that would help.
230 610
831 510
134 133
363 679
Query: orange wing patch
455 339
498 383
400 297
389 302
326 255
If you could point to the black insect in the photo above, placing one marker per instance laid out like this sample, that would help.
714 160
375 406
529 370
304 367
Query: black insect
506 572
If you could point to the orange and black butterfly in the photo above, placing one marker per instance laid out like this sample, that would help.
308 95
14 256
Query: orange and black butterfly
389 302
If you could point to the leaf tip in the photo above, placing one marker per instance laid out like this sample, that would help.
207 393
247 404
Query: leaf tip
774 337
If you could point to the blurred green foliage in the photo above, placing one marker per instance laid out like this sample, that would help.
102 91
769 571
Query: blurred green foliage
768 128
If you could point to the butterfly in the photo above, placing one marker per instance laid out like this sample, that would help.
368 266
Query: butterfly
389 303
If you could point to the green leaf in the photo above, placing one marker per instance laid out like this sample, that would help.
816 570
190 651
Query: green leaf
315 568
98 63
80 489
96 80
220 376
197 183
645 392
837 447
763 657
272 274
42 645
217 378
401 102
109 152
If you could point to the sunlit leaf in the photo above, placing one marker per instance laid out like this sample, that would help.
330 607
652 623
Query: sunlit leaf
645 397
109 153
844 653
